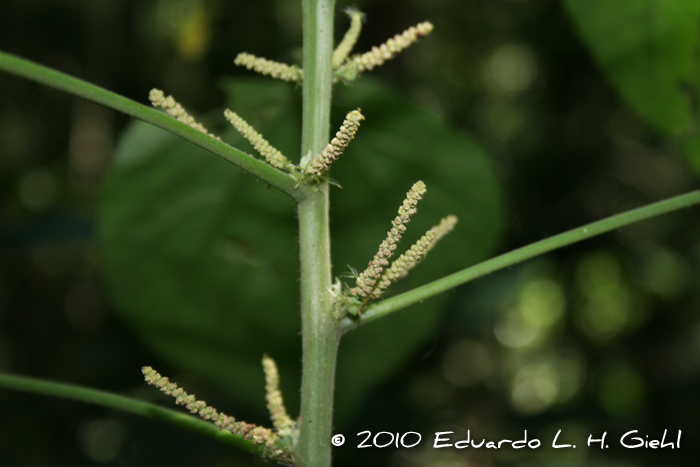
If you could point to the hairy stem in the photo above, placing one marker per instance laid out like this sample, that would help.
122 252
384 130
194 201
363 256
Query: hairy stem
71 85
393 304
320 332
115 401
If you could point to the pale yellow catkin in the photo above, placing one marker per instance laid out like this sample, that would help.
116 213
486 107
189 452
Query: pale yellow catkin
386 51
367 281
346 45
273 157
259 435
335 148
174 109
275 403
269 67
414 255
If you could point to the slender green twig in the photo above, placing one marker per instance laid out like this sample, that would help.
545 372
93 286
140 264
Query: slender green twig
393 304
115 401
69 84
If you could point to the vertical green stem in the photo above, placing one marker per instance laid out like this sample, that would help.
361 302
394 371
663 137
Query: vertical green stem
320 331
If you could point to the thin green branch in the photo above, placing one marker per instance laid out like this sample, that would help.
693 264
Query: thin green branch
69 84
393 304
115 401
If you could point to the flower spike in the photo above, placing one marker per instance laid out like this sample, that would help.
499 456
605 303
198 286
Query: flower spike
269 67
172 108
367 281
257 434
269 152
378 55
323 161
407 261
345 47
275 404
443 228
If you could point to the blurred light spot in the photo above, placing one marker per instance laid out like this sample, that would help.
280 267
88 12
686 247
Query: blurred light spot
511 69
534 388
609 305
571 373
467 362
37 190
554 379
429 391
621 390
542 302
665 272
512 331
187 23
598 272
84 308
540 306
102 439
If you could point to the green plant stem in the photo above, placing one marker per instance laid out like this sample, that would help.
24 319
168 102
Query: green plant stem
115 401
69 84
320 332
393 304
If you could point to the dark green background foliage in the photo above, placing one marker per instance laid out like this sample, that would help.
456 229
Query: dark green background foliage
123 246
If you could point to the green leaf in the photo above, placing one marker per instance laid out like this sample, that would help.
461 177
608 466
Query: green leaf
649 50
202 259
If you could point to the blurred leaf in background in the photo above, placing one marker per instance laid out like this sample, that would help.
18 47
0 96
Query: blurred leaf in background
202 259
649 50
